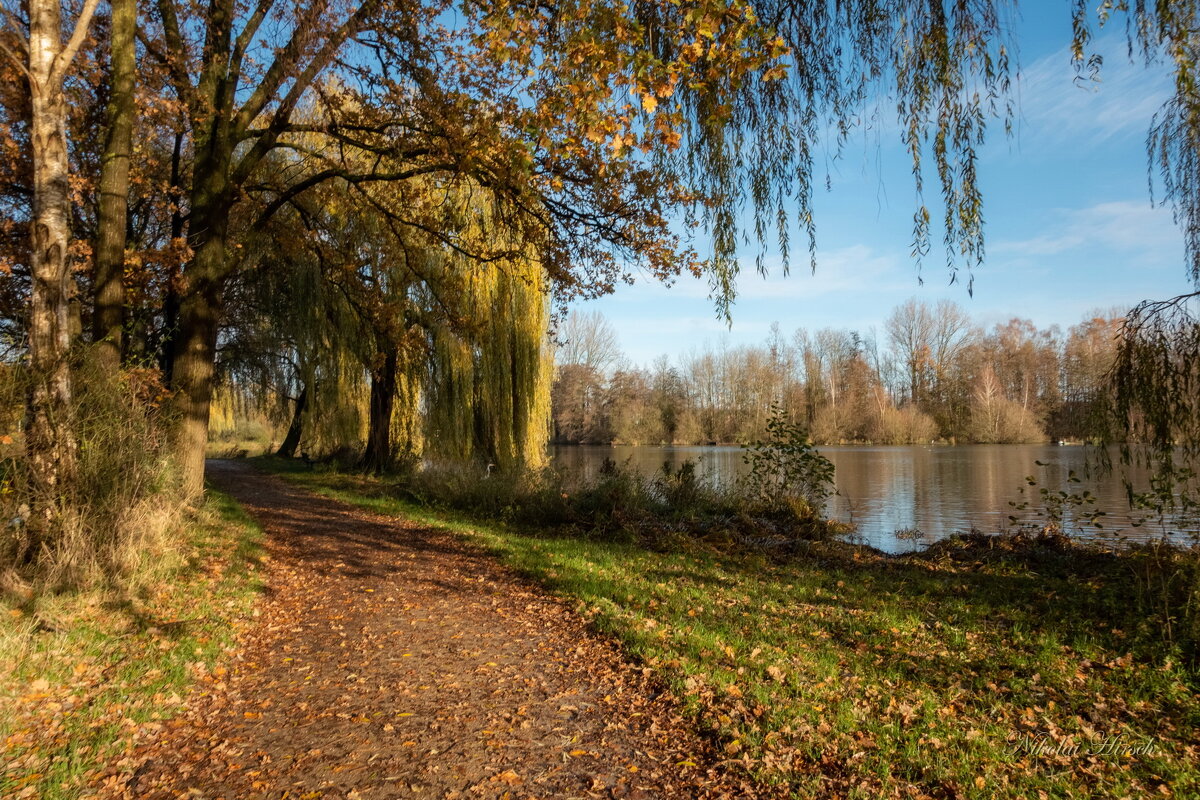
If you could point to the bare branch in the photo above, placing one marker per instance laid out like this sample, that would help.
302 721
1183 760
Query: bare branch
18 62
300 85
62 61
246 36
176 60
17 25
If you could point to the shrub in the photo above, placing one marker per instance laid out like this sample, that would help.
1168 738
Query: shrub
907 425
120 516
785 467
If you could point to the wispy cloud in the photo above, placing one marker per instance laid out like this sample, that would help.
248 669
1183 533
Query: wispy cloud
1130 228
855 268
1055 105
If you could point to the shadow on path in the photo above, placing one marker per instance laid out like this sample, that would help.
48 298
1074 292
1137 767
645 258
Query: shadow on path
392 660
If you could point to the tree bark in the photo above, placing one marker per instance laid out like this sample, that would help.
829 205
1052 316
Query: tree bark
108 318
200 303
378 454
50 438
170 310
194 353
292 440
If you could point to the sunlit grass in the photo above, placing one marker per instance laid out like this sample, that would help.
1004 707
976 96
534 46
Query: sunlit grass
974 675
83 671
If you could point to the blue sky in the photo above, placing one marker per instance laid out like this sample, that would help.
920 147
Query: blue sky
1069 223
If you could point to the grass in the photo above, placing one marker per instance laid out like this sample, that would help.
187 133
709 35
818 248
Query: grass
83 672
967 671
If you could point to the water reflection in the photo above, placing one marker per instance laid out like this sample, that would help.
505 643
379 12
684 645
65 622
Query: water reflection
936 490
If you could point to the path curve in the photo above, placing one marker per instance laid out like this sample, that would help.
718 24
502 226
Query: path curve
392 660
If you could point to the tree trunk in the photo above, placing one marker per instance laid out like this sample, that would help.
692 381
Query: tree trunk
195 345
170 311
108 318
292 440
49 435
194 352
378 454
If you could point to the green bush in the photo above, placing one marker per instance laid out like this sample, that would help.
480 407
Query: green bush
787 473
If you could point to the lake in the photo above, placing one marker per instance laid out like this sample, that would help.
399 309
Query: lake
933 490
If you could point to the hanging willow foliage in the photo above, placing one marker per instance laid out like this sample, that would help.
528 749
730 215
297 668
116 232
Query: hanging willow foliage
489 387
393 337
289 333
1156 380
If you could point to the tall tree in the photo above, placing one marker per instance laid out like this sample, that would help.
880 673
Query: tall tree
107 314
49 436
592 124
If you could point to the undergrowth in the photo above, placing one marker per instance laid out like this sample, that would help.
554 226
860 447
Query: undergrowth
118 518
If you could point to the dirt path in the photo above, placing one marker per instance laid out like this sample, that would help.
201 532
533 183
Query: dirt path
392 660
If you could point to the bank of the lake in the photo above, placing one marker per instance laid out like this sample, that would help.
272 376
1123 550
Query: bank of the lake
977 669
925 492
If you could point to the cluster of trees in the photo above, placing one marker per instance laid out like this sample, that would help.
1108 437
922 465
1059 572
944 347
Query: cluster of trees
931 373
354 211
162 156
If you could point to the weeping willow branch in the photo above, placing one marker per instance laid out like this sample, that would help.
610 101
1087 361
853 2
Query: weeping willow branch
1156 380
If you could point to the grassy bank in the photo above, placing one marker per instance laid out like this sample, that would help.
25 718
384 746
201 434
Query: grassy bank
82 672
974 670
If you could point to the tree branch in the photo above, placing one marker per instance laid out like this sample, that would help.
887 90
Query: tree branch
287 195
18 62
283 113
63 60
246 36
177 60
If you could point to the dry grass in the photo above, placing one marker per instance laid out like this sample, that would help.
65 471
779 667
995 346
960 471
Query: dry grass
121 517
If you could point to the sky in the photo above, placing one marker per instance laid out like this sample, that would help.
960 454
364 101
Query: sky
1069 222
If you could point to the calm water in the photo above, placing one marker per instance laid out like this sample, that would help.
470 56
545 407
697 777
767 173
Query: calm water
935 490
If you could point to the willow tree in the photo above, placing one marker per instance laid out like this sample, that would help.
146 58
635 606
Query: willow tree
1155 383
287 344
592 125
488 396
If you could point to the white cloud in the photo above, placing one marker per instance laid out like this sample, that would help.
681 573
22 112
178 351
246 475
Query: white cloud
1054 106
848 269
1130 228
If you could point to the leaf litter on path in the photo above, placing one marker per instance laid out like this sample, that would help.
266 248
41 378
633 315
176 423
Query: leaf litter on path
393 660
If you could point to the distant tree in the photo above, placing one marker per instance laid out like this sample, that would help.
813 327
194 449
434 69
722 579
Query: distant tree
587 339
996 419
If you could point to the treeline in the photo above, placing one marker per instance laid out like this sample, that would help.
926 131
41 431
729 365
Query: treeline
931 374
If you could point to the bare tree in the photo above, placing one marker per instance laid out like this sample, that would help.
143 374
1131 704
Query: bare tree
587 339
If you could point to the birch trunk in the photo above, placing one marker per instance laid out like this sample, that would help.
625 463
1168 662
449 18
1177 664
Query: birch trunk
49 436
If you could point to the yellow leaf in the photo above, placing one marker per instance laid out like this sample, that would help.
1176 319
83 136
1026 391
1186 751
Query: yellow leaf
509 777
649 103
980 782
579 752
